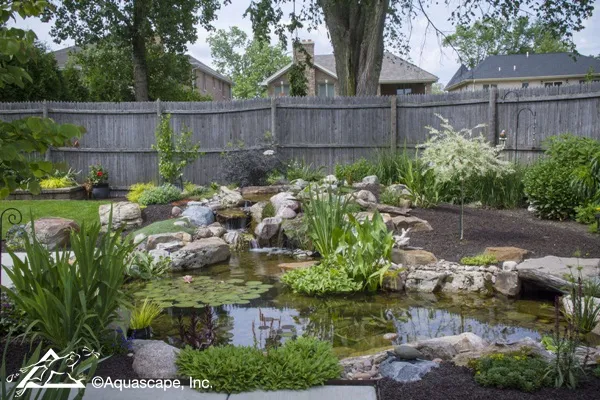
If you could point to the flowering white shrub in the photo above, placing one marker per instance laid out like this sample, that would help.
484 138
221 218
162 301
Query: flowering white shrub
456 156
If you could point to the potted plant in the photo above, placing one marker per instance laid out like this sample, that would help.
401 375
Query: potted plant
98 177
141 318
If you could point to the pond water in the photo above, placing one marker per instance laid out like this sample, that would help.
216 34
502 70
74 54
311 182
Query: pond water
354 324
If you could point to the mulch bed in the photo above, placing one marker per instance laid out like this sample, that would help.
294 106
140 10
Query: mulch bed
118 366
488 227
449 382
156 212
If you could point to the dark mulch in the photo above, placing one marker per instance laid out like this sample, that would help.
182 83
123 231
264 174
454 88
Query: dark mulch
154 213
117 366
487 227
449 382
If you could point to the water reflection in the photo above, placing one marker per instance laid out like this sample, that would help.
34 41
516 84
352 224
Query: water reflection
355 324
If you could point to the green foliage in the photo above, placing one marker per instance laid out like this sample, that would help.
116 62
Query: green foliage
174 151
422 184
15 238
498 191
325 214
586 179
247 62
71 302
137 189
268 211
298 364
97 175
587 214
480 259
163 194
354 172
144 266
390 198
143 315
512 371
11 318
497 36
326 278
300 170
298 80
57 183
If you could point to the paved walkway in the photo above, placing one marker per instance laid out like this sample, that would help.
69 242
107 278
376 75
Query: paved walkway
317 393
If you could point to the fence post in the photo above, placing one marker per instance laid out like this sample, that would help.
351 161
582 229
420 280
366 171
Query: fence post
274 118
493 116
48 155
393 124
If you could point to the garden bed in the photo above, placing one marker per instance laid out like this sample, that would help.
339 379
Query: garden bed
69 193
490 227
450 382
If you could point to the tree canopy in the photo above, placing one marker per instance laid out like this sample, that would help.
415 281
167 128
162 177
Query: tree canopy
497 37
247 62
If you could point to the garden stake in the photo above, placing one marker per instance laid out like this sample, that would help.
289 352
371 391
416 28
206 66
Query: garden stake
14 217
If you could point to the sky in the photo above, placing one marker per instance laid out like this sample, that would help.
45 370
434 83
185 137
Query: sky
426 51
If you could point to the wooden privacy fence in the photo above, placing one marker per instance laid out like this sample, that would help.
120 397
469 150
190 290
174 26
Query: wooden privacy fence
322 131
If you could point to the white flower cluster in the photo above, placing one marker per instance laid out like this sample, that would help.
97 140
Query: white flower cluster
461 154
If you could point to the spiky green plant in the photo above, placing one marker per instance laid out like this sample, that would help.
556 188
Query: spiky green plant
143 315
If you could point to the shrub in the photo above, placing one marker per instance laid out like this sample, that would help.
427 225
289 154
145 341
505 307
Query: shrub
481 259
175 152
301 170
98 175
163 194
298 364
354 172
196 191
325 278
68 302
144 266
15 238
57 183
587 214
390 198
511 371
137 189
249 167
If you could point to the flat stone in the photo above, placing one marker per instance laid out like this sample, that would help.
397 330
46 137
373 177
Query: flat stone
154 359
549 272
413 223
425 281
262 190
329 392
465 281
447 347
200 253
405 371
154 240
507 253
413 257
406 352
296 265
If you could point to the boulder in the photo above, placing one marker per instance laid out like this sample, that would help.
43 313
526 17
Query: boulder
371 180
405 371
257 211
413 223
140 239
53 233
507 253
170 247
398 190
509 266
200 253
124 215
395 279
234 238
176 212
465 281
285 200
154 359
508 283
199 215
202 233
413 257
299 184
406 352
154 240
330 180
366 196
217 229
425 281
230 198
526 344
447 347
286 213
268 228
387 219
549 272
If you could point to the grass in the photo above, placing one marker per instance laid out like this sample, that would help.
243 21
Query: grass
166 226
78 210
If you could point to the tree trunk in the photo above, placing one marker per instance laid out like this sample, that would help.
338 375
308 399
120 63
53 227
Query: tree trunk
138 41
356 31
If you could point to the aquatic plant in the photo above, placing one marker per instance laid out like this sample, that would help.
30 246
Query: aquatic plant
188 279
480 259
201 332
143 315
201 291
147 267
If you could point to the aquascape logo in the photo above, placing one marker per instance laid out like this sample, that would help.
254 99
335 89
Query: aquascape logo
47 372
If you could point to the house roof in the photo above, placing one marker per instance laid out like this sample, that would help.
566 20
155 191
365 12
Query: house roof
62 56
393 70
518 66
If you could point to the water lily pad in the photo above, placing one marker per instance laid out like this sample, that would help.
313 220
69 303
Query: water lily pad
235 280
253 283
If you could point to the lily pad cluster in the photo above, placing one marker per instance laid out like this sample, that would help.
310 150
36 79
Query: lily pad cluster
202 291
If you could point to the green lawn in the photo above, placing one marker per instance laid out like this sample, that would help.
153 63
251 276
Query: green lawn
78 210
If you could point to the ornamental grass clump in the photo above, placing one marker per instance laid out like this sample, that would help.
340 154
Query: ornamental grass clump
459 155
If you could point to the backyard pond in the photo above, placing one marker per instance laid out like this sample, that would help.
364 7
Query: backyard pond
251 307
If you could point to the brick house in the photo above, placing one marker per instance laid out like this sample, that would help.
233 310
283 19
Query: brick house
397 76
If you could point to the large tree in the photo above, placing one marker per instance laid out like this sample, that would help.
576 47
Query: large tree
134 25
497 37
359 30
247 62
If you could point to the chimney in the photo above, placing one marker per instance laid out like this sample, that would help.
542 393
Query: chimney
527 55
307 47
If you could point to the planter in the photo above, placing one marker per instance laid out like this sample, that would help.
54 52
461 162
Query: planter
101 191
70 193
144 334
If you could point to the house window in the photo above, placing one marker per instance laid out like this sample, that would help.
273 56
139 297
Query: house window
204 82
525 85
403 91
326 89
550 84
282 89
